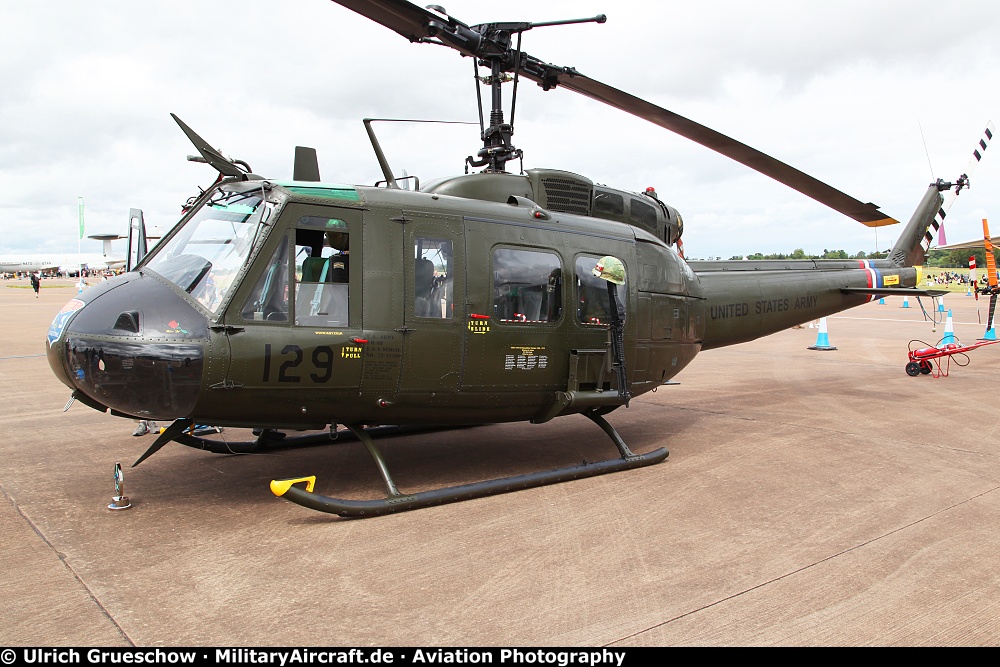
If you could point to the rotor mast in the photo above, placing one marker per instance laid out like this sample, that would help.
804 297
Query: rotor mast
495 51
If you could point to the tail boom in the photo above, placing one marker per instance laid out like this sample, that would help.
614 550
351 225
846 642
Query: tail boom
742 306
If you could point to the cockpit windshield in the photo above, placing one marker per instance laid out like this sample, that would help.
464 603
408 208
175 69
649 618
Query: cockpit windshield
204 257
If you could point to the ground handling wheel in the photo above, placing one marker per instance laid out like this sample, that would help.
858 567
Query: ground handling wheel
913 369
925 367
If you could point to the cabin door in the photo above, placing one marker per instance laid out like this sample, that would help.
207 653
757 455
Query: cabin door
434 300
292 324
516 321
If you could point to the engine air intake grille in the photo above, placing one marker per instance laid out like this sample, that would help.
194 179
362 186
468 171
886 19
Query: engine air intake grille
567 196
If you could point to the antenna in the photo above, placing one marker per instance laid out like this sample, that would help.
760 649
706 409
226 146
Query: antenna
926 151
390 180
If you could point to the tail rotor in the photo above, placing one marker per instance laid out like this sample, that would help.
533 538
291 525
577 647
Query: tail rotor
961 183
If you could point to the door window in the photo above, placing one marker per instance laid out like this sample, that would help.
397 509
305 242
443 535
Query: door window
269 299
322 264
433 282
592 302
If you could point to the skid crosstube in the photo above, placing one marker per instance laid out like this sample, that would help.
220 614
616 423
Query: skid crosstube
395 501
272 439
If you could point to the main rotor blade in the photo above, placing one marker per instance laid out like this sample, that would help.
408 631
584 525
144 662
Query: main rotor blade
405 18
868 214
417 24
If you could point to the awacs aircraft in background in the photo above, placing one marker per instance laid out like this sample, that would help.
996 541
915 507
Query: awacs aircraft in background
66 263
63 263
70 263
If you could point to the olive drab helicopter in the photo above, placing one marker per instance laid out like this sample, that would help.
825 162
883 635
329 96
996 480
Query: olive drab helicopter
493 296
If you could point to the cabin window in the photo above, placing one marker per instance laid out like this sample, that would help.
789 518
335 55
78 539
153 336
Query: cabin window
527 285
322 270
592 294
433 283
642 214
269 299
608 203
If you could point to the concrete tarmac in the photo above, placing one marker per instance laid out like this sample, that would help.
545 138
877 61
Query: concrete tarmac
810 498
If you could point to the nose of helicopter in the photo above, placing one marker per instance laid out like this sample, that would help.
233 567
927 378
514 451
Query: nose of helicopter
133 345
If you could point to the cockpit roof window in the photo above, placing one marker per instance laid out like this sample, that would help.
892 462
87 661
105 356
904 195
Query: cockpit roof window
321 222
323 190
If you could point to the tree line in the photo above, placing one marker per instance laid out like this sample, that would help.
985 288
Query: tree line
799 253
937 258
958 258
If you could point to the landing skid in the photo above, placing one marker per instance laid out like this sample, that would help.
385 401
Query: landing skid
395 501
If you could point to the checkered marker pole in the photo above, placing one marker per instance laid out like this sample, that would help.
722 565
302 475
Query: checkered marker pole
972 277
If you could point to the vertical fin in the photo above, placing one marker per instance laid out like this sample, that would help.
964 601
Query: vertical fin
911 246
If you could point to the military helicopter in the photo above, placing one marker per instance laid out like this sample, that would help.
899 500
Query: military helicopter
493 296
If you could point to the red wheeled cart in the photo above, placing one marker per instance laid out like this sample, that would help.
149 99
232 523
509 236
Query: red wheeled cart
921 359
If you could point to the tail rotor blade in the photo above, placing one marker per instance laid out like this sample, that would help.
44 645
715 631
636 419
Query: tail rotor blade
963 181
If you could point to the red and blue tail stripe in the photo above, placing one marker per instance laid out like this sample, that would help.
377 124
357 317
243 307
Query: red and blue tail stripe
875 279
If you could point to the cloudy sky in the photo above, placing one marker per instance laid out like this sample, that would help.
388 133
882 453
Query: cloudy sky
848 91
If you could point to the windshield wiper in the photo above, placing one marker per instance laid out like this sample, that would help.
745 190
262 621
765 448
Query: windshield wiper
228 198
